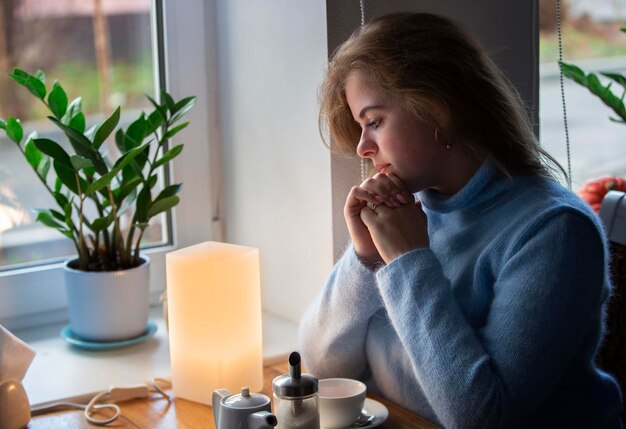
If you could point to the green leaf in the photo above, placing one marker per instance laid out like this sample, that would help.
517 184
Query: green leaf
162 205
171 133
106 129
14 130
616 77
593 84
73 109
78 162
58 215
44 168
36 87
161 109
126 203
619 121
125 190
182 107
19 75
169 155
573 72
135 168
40 76
53 150
168 100
102 223
82 146
89 171
169 191
34 84
91 132
68 177
32 154
152 180
135 133
119 140
57 100
78 122
129 156
107 178
155 120
3 124
61 200
144 200
46 218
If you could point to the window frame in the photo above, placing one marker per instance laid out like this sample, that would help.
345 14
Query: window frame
35 296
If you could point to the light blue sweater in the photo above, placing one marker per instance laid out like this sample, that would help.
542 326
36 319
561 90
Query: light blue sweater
494 326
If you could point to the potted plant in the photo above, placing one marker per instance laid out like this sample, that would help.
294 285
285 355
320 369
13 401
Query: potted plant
594 190
95 194
596 87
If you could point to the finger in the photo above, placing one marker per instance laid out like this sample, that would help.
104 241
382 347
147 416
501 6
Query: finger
383 188
362 195
403 195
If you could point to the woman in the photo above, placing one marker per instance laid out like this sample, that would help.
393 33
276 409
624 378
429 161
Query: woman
481 304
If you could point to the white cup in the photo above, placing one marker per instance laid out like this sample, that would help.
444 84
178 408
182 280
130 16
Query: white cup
340 402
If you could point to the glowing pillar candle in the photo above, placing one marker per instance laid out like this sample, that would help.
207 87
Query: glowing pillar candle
214 313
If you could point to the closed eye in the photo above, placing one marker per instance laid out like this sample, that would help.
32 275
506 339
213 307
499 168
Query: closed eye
375 123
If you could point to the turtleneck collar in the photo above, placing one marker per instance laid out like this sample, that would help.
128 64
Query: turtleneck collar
474 192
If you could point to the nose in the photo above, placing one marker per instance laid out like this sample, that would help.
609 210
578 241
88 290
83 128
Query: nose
367 147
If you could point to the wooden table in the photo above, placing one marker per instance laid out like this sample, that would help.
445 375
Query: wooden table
158 413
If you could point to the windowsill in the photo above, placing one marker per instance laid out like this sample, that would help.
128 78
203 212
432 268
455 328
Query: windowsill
60 371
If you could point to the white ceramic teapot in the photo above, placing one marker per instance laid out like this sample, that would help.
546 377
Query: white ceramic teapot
243 410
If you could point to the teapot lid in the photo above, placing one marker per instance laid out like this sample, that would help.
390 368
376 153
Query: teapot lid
245 399
295 384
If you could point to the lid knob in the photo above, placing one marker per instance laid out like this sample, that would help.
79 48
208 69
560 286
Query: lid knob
294 365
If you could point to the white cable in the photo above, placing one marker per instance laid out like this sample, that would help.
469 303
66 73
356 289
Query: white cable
114 394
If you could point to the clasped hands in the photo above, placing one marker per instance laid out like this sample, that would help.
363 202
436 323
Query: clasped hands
384 220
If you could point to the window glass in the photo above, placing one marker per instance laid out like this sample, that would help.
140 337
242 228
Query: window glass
99 50
591 40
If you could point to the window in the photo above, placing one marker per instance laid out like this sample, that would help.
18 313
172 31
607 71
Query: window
34 295
102 51
593 41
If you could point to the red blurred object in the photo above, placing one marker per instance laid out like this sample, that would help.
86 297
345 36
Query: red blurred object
594 190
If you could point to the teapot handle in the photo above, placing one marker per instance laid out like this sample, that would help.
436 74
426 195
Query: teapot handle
218 395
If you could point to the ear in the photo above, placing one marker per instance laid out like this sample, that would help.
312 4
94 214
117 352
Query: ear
441 113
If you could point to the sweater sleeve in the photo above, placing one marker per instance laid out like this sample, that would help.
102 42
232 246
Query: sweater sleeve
547 296
333 330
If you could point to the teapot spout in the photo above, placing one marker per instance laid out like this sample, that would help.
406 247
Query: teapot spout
218 395
262 420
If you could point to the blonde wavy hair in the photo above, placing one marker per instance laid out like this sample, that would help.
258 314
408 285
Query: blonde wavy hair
426 61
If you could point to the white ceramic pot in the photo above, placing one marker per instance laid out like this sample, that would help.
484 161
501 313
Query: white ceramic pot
108 306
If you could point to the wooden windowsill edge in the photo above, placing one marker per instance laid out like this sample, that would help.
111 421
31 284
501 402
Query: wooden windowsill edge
62 372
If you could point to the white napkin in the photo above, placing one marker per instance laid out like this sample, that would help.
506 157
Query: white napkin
15 358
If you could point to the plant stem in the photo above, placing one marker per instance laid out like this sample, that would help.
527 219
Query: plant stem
138 246
83 253
124 259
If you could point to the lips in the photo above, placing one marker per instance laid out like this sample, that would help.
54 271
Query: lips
383 168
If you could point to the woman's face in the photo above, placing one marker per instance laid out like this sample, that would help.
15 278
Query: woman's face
394 140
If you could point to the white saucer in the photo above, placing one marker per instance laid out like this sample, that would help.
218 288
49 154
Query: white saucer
377 409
